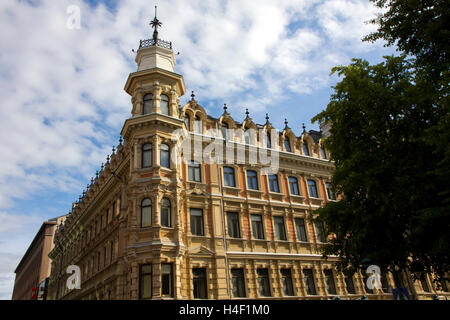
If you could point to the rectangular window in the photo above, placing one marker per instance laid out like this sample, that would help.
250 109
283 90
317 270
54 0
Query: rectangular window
194 171
330 193
365 277
384 282
197 222
107 216
286 281
293 186
111 251
113 210
301 229
228 177
98 261
329 281
280 232
312 189
349 284
145 281
309 282
104 256
252 180
257 226
237 279
320 231
273 183
233 225
164 155
424 283
166 280
263 282
199 283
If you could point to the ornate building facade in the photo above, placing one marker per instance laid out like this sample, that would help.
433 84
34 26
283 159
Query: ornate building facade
152 226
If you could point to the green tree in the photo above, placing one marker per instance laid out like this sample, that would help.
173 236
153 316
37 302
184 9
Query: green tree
390 138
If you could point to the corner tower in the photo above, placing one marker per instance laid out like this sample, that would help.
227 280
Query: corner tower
152 230
155 87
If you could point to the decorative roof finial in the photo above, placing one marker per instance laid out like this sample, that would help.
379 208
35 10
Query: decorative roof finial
285 123
120 141
92 180
267 117
113 150
304 128
225 108
247 113
192 96
96 174
107 158
102 166
155 23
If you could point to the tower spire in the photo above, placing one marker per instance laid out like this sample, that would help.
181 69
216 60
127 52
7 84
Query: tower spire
155 23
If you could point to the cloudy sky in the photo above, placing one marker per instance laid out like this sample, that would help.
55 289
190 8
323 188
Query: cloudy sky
62 103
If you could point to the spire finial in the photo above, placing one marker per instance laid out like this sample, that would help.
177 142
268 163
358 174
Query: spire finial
155 23
267 117
225 108
192 96
120 141
285 122
246 112
304 128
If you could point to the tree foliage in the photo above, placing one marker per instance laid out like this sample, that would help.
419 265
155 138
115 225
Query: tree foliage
390 137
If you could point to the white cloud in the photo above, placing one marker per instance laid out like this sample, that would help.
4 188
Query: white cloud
63 102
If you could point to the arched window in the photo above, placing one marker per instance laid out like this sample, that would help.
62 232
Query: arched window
197 125
148 103
146 213
165 155
322 152
287 144
165 213
224 130
164 105
187 122
147 155
305 149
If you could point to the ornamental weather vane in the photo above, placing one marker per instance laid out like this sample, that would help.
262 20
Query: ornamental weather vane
155 23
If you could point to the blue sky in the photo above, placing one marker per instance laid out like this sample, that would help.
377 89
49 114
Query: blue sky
63 103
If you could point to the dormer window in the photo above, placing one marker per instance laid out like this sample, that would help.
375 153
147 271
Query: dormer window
322 153
305 149
287 144
164 106
198 125
148 103
247 136
187 122
224 130
268 142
